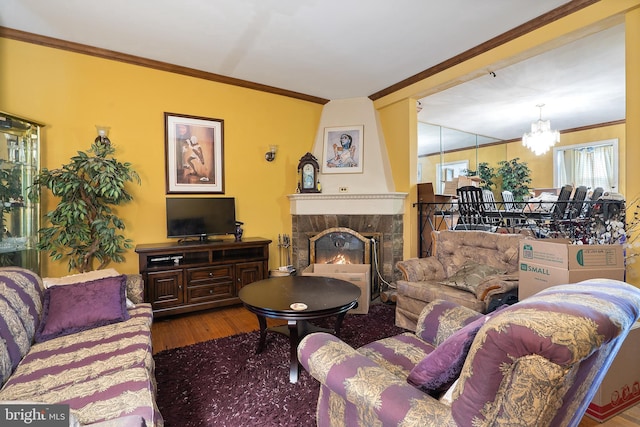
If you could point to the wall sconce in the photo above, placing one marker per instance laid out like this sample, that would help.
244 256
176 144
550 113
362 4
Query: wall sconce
103 133
270 155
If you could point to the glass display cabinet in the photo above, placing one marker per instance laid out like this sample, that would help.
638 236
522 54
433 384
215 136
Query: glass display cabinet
20 214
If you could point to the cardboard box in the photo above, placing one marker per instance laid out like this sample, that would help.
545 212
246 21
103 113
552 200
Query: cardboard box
620 388
533 278
465 181
358 274
559 253
549 262
452 185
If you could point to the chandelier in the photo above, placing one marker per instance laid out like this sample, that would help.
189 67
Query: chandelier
541 137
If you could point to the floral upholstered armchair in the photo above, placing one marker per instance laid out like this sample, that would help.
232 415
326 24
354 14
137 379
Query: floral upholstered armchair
537 363
476 269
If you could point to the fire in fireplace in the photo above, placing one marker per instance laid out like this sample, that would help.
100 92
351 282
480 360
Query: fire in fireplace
341 245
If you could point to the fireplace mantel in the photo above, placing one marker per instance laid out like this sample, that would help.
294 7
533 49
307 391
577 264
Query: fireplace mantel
347 204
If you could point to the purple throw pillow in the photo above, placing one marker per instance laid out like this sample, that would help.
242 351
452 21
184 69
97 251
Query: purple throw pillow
436 372
73 308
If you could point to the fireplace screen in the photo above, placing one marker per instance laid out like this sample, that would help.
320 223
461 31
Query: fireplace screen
339 246
344 246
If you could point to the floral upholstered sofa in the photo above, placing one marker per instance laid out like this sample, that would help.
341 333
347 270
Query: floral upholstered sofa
85 342
476 269
536 363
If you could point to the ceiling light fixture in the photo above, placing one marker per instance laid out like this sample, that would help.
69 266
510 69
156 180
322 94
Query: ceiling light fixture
541 137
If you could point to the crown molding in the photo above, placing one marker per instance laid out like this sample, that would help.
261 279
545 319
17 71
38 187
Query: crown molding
26 37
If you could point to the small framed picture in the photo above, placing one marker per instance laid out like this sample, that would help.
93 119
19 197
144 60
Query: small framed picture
343 149
194 154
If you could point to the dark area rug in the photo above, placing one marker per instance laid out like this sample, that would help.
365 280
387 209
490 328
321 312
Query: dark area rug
223 382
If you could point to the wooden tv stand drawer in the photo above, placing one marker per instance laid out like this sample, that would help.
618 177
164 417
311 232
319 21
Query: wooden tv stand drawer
181 278
210 283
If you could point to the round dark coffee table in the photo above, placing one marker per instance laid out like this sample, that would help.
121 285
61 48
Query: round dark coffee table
298 299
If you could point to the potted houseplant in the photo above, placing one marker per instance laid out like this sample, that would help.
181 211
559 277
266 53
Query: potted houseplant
84 227
516 177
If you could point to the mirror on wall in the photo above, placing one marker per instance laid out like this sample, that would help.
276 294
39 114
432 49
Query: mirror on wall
445 153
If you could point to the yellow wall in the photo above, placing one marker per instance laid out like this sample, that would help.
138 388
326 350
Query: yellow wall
400 124
70 93
632 172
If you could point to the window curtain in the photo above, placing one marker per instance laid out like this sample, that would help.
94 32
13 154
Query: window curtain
594 167
607 161
564 168
584 166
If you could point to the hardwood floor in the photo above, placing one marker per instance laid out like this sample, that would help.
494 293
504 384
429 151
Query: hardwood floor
178 331
629 418
186 329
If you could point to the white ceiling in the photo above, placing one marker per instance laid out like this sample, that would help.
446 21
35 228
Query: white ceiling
336 49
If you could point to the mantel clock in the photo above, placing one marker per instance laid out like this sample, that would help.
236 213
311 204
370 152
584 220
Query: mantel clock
308 169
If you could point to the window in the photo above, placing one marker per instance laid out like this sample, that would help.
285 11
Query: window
594 164
448 171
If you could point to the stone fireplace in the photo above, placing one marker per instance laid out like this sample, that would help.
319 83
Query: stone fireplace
315 214
363 202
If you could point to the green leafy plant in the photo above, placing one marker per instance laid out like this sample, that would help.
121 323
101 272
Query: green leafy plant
516 177
84 227
486 173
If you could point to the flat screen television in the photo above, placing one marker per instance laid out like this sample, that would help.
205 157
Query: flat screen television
189 217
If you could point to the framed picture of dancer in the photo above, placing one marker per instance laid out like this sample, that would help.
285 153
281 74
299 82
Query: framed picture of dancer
342 149
194 153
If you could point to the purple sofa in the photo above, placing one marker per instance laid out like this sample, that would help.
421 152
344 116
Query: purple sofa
536 363
94 355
